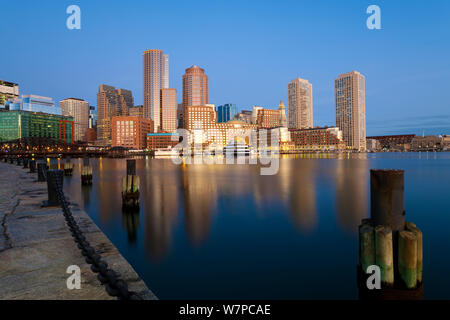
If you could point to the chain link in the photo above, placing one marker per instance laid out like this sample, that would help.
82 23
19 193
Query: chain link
114 285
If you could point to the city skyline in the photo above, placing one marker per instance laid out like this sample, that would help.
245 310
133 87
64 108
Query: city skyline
396 92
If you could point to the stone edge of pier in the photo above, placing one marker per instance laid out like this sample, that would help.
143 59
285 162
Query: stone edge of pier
36 246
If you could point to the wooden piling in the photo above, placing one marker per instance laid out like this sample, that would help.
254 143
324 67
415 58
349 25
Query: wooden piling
367 246
131 167
387 199
86 175
384 254
68 168
407 258
413 228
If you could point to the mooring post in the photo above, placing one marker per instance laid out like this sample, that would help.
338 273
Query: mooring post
387 198
32 166
42 171
130 187
398 244
86 172
52 177
131 167
68 167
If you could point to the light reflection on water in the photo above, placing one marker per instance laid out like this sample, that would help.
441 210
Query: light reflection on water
225 231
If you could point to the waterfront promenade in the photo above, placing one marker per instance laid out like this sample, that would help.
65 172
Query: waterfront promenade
36 246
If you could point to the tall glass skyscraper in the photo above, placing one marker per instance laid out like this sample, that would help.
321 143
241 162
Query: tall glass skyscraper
226 112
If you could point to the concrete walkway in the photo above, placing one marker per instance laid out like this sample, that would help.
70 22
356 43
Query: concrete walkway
36 246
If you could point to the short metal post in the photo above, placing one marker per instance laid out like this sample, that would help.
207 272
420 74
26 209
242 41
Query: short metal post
52 177
387 198
42 171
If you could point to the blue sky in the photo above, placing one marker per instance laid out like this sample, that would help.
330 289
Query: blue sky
249 49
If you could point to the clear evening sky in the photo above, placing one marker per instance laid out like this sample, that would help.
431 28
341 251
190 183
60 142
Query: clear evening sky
249 49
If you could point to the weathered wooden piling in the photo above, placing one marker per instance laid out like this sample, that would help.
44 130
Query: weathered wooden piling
68 168
397 245
387 199
42 171
52 177
384 257
130 187
32 165
413 228
366 246
407 258
86 172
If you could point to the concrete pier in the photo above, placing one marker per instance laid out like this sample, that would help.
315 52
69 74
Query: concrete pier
36 247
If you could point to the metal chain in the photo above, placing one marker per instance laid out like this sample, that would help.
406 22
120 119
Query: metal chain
114 285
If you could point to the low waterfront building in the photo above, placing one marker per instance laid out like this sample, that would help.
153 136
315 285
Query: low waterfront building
201 122
400 142
427 143
317 139
18 124
446 142
130 132
161 140
244 116
8 91
373 145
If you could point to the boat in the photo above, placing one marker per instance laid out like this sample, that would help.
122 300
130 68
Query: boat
236 148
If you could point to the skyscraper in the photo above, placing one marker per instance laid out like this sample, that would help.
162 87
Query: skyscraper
300 104
195 87
110 103
168 110
156 77
79 110
226 112
350 101
125 101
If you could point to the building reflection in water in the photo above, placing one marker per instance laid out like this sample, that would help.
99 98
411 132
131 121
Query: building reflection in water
351 179
199 190
301 178
109 187
160 187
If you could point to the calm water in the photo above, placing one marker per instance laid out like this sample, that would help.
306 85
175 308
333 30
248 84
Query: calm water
224 231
